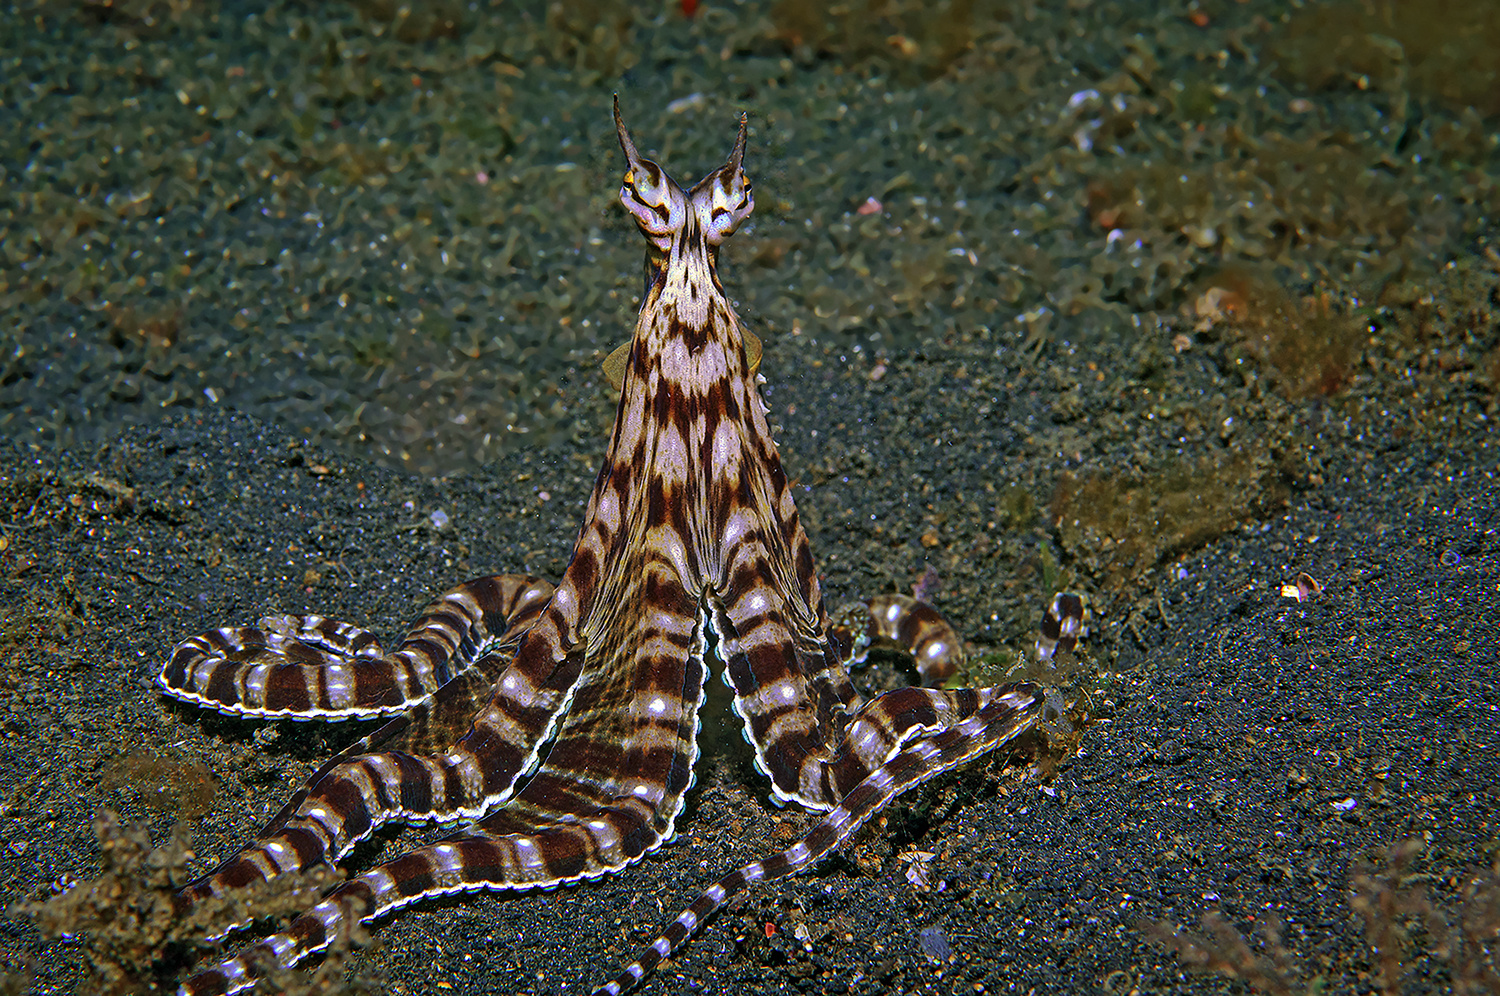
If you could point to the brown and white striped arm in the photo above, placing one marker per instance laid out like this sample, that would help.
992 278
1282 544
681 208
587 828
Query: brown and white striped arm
311 667
991 716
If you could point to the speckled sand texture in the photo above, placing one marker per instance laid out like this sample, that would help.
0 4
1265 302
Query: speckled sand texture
1168 306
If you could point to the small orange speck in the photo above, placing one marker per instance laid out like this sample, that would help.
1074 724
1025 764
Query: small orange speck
770 929
870 206
904 45
1199 18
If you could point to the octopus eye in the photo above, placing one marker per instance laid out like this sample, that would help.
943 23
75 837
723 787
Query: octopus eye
731 204
644 184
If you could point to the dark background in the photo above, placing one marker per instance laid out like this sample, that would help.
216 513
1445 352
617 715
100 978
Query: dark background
1166 307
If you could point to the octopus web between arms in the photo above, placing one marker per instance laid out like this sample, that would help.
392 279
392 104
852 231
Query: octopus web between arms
563 723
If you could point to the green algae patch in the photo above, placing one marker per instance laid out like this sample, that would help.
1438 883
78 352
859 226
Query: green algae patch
1118 526
911 41
1311 344
1252 198
134 936
163 781
50 620
1446 51
1015 507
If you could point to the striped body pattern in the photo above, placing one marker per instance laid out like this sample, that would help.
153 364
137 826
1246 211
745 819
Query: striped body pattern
560 725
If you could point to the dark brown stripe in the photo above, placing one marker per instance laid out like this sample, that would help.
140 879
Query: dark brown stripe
286 689
339 794
679 773
777 865
483 859
413 873
238 873
805 566
452 789
566 855
636 836
223 686
415 784
769 663
306 844
497 760
374 684
908 707
583 571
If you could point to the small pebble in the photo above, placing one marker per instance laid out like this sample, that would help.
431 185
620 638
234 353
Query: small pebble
935 944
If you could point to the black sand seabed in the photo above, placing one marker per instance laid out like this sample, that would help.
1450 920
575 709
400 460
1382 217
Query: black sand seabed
1252 748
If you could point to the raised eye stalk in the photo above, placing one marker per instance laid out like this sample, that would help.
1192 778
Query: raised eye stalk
719 202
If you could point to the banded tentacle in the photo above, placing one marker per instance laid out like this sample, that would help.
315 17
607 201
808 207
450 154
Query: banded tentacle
911 626
474 775
607 794
993 716
566 824
312 667
358 790
903 623
1064 624
890 744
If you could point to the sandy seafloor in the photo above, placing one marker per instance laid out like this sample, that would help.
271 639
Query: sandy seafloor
1250 753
